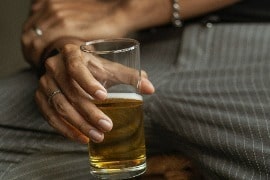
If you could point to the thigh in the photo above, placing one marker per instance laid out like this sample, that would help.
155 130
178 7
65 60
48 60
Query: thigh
214 99
29 147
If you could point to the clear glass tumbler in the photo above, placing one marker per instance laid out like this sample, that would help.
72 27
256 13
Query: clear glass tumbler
122 153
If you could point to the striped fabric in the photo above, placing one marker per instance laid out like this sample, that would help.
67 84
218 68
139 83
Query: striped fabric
211 104
213 99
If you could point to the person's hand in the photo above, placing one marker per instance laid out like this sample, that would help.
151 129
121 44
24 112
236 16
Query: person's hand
84 19
73 76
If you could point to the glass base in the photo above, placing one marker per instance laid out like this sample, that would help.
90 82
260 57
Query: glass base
124 173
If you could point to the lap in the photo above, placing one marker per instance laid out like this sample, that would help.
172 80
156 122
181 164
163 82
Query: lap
29 147
214 97
211 103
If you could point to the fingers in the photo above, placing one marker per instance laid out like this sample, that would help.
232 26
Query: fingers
102 70
118 73
54 19
32 46
68 71
66 111
48 14
82 102
146 87
76 96
57 122
78 70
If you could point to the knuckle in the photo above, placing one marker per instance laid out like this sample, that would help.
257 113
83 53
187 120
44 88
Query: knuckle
51 5
50 65
81 126
58 15
68 48
63 21
72 58
73 66
94 116
74 99
61 108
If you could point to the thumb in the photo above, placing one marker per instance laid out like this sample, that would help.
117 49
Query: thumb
146 87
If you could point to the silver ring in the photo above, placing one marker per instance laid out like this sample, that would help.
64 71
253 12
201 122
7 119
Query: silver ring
38 31
52 95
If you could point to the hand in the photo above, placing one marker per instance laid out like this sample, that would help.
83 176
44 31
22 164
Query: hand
84 19
78 74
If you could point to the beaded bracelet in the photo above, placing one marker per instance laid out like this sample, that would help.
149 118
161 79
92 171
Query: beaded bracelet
176 14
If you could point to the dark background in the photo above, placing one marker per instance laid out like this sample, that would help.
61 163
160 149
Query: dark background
12 15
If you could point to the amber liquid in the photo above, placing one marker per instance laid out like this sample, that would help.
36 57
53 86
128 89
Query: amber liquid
124 146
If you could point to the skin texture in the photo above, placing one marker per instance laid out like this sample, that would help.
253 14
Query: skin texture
59 18
101 19
72 113
66 24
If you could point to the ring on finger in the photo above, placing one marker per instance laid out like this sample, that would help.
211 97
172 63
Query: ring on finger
57 91
38 31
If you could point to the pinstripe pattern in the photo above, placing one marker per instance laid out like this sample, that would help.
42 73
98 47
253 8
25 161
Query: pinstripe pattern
29 148
215 98
211 103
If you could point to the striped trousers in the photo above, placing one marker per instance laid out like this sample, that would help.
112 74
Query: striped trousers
211 104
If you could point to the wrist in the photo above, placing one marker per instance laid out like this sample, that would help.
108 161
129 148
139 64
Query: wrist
59 43
138 15
53 49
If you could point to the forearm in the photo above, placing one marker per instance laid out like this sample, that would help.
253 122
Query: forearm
118 20
145 14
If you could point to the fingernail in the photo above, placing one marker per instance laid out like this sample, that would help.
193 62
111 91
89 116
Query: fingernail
148 86
100 94
105 125
96 136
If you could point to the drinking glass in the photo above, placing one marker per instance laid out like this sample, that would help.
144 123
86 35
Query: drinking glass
122 153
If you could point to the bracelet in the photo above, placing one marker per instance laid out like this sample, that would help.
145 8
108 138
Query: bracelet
176 14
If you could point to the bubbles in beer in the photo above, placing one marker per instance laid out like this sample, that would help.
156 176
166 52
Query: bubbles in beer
124 146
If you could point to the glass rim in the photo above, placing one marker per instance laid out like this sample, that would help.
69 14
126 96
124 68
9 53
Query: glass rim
135 44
